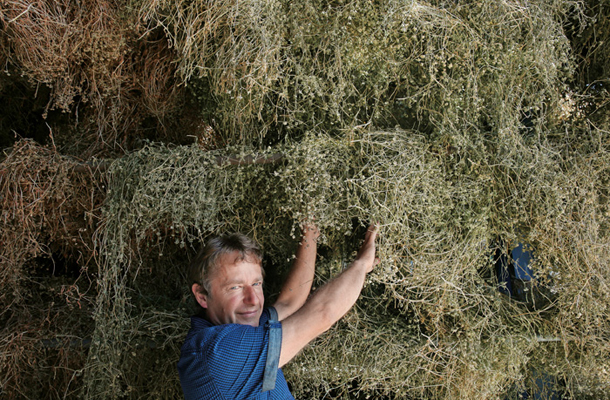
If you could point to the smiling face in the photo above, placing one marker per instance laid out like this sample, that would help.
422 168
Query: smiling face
236 291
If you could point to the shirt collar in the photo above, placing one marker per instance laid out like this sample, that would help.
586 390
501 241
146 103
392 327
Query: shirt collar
199 322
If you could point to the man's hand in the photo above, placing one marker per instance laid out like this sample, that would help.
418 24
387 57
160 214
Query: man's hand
366 254
310 232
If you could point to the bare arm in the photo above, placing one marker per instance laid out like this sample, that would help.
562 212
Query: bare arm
328 304
297 286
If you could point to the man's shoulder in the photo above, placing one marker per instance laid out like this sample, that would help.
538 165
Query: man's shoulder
200 324
229 359
203 332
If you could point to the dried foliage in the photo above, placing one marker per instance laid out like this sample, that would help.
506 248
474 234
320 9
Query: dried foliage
49 212
100 68
464 128
432 324
590 47
277 69
589 43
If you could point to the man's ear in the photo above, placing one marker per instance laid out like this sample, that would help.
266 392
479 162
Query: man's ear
201 297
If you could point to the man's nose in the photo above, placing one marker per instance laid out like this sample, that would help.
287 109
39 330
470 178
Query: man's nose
250 295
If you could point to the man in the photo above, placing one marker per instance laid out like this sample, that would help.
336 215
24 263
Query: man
235 348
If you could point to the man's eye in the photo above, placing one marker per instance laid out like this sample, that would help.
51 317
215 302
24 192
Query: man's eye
234 288
258 284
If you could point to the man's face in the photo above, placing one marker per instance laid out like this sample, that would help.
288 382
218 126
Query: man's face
236 292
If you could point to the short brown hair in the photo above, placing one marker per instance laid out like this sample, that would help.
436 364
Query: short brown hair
205 262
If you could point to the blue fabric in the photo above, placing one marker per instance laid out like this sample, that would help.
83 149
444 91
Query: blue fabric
228 361
273 352
522 260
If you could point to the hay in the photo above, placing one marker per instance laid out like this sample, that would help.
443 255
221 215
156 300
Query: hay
278 69
110 78
48 215
63 45
430 324
591 52
453 124
473 341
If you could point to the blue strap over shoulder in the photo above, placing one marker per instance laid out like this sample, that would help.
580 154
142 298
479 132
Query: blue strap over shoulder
273 351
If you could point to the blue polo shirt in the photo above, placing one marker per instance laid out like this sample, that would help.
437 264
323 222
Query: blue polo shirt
228 361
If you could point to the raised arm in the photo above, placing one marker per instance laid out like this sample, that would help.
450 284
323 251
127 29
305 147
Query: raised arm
329 303
297 286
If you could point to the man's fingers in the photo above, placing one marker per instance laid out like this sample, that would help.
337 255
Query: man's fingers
371 232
